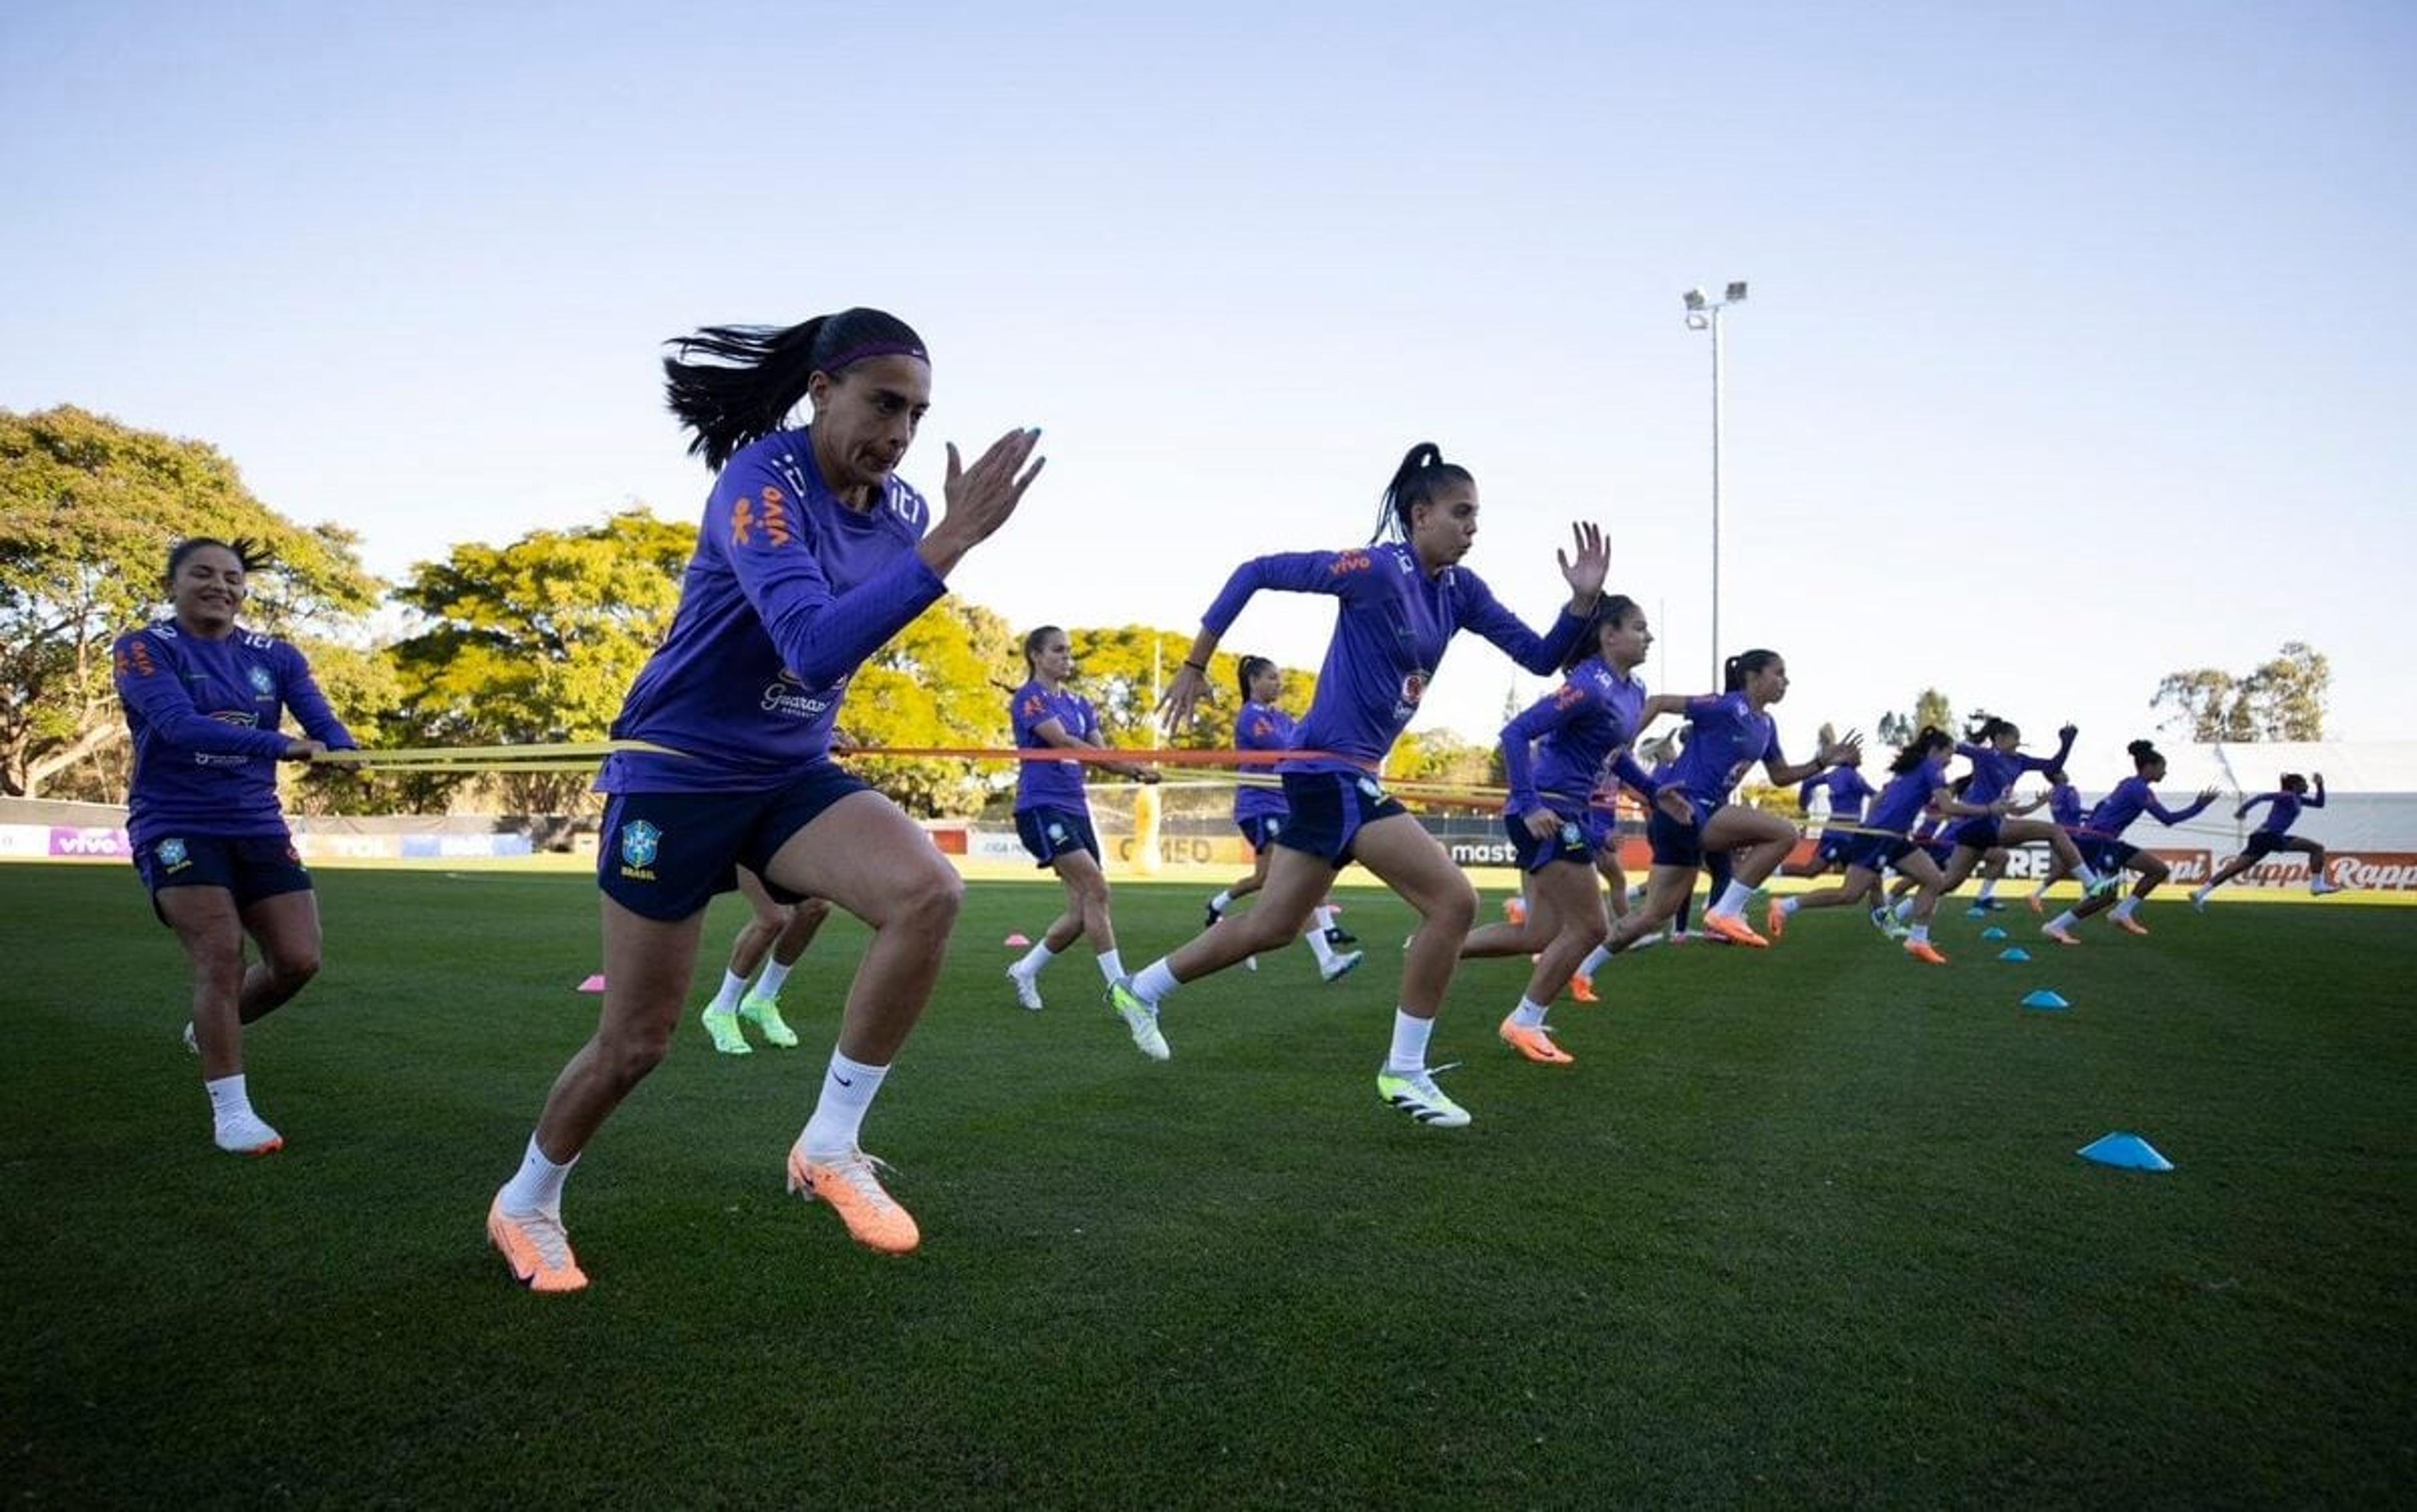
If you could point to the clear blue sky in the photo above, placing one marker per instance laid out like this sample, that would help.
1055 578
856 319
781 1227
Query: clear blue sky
2075 352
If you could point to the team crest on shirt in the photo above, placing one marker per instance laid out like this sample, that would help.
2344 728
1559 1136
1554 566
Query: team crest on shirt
262 683
640 844
173 855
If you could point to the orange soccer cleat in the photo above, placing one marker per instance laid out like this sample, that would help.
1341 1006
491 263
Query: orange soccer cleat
1582 989
1735 930
851 1184
536 1248
1536 1044
1923 950
2129 925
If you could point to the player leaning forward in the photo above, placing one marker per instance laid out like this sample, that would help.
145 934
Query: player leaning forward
811 555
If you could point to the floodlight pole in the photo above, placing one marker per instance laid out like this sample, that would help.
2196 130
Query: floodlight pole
1703 313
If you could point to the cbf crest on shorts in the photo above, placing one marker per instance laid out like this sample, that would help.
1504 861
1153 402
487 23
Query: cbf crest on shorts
1058 832
172 854
640 841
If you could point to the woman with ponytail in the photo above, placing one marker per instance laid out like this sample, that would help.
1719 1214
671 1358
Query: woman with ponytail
1728 733
1993 746
1259 812
811 555
2108 852
1918 783
1053 814
1402 601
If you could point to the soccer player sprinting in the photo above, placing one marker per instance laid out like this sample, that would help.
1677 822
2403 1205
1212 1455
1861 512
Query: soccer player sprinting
1847 790
1918 782
1402 600
774 939
1991 747
204 698
1053 816
2112 856
812 554
2275 834
2066 812
1728 733
1259 812
1554 757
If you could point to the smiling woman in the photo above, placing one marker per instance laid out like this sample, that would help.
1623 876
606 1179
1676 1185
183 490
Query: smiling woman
812 553
204 698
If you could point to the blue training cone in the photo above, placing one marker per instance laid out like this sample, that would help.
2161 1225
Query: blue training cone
1993 932
2014 953
2127 1150
2045 999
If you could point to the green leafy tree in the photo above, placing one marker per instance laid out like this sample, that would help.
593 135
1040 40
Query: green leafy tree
936 683
2283 699
89 509
535 642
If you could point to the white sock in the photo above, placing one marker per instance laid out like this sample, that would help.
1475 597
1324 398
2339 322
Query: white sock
228 1098
1988 886
2064 921
1034 959
2125 908
1921 934
1154 982
1223 900
1529 1014
1316 940
1112 966
1322 918
2087 875
1733 899
1409 1055
537 1187
1903 908
770 984
1789 905
847 1090
726 1001
1596 960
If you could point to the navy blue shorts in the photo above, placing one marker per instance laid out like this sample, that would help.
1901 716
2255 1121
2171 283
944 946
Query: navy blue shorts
1838 847
665 855
250 869
1876 852
1674 844
2108 855
1051 833
1261 832
1978 832
2267 842
1571 842
1328 810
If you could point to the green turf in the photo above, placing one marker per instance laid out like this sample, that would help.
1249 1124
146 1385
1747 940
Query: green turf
1802 1227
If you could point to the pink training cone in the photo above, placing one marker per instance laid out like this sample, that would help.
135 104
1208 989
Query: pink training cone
1017 942
594 983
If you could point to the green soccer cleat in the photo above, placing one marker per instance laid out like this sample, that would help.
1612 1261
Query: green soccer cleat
1419 1096
1139 1017
765 1014
723 1027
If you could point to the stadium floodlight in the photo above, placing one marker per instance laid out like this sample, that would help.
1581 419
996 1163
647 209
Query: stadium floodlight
1703 314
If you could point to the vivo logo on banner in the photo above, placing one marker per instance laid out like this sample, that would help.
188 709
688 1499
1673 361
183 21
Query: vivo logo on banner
89 843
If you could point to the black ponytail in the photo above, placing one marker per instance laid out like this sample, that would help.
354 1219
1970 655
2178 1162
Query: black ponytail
1611 611
2143 752
759 372
1742 666
2294 782
1249 671
1414 482
1989 727
1930 742
1032 645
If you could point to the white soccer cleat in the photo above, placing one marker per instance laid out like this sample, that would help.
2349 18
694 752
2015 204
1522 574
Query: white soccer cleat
1335 967
1140 1018
1027 991
246 1134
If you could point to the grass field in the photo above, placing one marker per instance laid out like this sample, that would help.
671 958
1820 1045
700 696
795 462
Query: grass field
1800 1227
